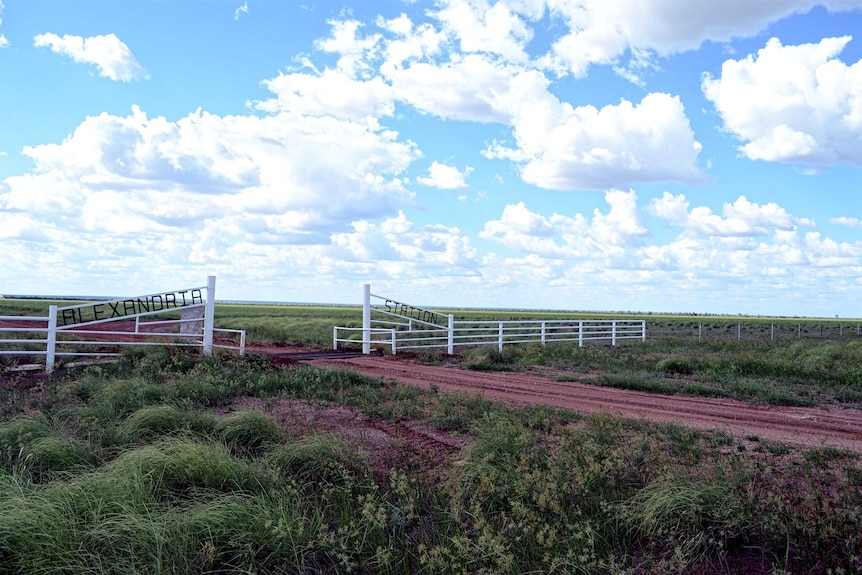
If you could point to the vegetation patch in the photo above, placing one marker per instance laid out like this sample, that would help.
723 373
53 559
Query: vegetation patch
143 466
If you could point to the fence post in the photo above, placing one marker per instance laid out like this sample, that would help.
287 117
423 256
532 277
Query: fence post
799 331
773 332
614 333
581 333
242 343
500 338
643 330
543 333
209 316
366 319
335 338
450 348
51 348
699 331
739 331
393 342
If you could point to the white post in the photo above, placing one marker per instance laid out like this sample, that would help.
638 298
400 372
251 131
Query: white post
209 316
393 342
773 332
450 348
366 319
543 333
643 330
614 333
738 331
242 343
50 350
500 338
335 338
581 333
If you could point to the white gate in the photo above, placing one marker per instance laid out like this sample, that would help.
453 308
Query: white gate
388 322
101 328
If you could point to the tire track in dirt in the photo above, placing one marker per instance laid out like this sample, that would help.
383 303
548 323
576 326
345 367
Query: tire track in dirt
809 427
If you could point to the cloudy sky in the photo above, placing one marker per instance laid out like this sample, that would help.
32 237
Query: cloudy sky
660 155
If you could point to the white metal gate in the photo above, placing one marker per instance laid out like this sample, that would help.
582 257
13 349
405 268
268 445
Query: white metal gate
179 318
388 322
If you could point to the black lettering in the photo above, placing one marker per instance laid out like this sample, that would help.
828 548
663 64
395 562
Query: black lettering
128 306
114 311
184 292
170 298
80 316
197 297
388 307
68 314
97 311
161 303
143 304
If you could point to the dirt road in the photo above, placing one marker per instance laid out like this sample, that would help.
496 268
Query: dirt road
809 427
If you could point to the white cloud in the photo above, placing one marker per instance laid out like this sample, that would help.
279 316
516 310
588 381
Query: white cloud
611 261
331 92
241 11
282 178
482 27
565 148
111 56
563 237
401 247
797 104
853 223
445 177
741 218
3 41
605 31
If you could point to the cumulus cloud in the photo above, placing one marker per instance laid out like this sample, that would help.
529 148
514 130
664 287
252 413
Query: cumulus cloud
565 148
741 218
796 104
556 145
111 56
330 92
565 237
479 26
3 41
241 11
852 223
397 243
278 179
445 177
608 31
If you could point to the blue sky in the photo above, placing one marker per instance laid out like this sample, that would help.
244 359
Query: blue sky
664 156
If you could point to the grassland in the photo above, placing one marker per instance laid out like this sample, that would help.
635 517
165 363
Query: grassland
155 464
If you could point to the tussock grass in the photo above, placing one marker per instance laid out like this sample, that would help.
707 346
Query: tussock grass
247 430
321 458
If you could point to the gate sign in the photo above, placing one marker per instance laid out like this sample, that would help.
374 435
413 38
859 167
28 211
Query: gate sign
120 308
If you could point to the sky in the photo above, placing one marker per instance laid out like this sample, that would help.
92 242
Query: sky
683 156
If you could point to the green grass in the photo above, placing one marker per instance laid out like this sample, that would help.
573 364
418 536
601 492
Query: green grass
145 467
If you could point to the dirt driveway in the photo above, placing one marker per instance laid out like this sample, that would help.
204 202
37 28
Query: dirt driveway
809 427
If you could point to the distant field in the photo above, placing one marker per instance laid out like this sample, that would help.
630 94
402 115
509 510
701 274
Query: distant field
313 324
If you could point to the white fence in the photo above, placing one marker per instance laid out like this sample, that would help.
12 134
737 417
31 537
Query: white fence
401 327
102 328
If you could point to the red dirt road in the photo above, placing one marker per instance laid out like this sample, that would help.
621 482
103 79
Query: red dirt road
808 427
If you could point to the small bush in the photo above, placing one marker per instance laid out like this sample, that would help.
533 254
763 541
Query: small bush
675 366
